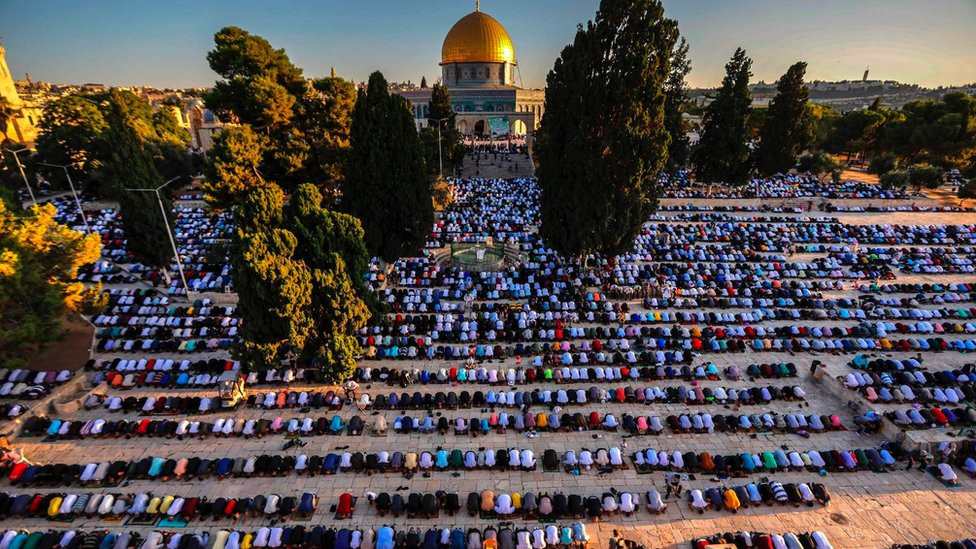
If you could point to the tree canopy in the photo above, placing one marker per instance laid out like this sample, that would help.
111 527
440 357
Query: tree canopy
722 154
233 165
387 185
304 126
39 259
676 97
603 141
788 127
296 293
440 112
128 164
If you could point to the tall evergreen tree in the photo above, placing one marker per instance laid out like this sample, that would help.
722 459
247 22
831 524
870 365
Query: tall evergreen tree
441 112
722 154
387 186
602 143
233 165
274 288
788 128
676 97
129 164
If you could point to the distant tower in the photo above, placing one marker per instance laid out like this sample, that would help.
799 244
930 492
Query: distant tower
20 126
333 72
866 71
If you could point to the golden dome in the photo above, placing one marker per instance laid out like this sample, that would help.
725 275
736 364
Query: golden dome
477 38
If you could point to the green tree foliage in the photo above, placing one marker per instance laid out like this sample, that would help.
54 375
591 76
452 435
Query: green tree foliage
325 119
819 163
722 154
788 128
925 175
967 189
387 186
675 100
855 132
894 179
74 128
883 164
296 293
128 163
440 112
39 259
233 166
941 133
306 125
603 140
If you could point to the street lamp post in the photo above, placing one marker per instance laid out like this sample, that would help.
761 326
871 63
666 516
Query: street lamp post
440 159
22 174
169 231
74 193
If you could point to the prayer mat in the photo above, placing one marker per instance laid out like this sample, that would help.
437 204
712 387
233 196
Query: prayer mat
934 471
51 438
487 516
62 519
143 521
555 469
297 518
547 520
171 523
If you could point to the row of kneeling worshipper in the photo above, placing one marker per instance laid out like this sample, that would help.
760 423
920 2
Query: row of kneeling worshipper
761 540
872 459
164 405
470 373
306 537
733 498
110 472
221 427
59 506
529 505
969 543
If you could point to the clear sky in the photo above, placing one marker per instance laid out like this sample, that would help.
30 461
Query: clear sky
164 43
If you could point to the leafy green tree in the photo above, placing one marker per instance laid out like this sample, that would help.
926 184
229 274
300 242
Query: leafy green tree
325 235
387 186
296 294
128 163
967 190
74 128
440 112
603 140
259 82
70 130
39 259
819 163
942 132
325 119
676 97
883 164
855 132
788 128
233 167
894 179
925 175
722 154
306 124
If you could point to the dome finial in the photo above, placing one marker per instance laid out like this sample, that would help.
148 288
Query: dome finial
477 5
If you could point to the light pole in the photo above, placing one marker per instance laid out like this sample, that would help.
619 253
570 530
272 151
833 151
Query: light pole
440 159
22 174
74 193
169 232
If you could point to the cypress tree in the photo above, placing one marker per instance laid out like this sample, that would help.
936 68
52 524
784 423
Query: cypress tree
788 128
387 186
274 289
441 112
129 164
602 143
676 96
722 154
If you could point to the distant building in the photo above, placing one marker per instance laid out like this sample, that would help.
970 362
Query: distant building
479 68
21 118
